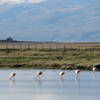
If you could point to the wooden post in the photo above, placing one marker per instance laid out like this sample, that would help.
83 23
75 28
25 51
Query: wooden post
64 50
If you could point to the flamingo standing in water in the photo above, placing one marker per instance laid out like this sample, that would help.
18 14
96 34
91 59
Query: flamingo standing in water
77 73
38 74
12 75
94 75
61 74
94 69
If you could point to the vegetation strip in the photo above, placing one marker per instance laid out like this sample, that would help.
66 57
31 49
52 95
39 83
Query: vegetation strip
50 55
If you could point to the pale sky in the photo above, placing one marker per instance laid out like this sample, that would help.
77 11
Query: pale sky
50 20
21 1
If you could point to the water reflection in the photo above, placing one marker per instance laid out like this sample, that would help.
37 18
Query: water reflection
12 83
77 77
50 86
94 75
62 78
38 81
77 82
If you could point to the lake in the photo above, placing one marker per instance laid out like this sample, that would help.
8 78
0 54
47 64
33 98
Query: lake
50 86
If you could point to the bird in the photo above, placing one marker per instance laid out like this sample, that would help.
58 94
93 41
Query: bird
77 74
61 74
38 74
77 71
94 69
12 75
94 74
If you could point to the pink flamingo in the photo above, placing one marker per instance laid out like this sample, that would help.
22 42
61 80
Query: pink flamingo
12 75
77 73
38 74
61 74
94 69
94 74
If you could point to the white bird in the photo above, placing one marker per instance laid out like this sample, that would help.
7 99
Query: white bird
61 74
94 69
12 75
77 71
38 74
77 74
94 74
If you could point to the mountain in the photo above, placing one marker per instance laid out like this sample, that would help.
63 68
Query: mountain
50 20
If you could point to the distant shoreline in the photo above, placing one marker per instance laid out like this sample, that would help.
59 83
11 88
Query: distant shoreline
66 56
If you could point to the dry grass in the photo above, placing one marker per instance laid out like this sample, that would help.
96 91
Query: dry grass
50 55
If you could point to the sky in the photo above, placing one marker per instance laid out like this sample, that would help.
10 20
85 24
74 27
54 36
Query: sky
50 20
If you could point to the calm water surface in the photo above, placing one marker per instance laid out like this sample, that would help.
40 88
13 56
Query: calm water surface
50 86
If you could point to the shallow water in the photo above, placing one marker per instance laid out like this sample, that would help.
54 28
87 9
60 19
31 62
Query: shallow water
50 86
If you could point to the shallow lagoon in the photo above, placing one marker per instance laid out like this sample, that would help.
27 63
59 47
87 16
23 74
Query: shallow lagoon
50 86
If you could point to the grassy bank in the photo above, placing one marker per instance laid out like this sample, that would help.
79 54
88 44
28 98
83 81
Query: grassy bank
50 56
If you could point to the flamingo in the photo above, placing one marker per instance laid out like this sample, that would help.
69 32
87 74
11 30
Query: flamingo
38 74
94 69
94 74
77 73
12 75
61 74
